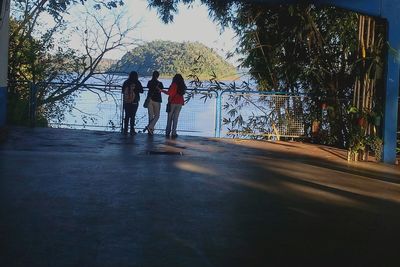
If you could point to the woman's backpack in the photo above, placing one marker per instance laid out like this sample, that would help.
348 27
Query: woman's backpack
129 94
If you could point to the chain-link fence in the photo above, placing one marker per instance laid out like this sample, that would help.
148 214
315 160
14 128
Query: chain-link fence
261 114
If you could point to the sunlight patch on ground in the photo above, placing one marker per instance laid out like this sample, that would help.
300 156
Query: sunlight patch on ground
211 148
335 179
321 195
292 148
191 167
252 184
325 185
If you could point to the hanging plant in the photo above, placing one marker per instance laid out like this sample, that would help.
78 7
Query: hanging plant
331 111
316 124
375 118
352 110
362 122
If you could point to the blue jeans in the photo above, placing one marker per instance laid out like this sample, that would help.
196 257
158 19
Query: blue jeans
172 121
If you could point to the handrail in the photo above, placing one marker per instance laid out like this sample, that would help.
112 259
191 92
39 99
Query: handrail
291 128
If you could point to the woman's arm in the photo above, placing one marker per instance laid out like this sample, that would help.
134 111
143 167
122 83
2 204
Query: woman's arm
124 85
171 91
140 87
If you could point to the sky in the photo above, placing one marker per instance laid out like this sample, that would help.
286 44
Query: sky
190 24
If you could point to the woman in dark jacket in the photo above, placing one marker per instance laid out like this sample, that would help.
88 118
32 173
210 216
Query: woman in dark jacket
154 105
131 90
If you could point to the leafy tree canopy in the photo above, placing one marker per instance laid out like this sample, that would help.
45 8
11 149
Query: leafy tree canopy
299 48
57 8
38 56
170 58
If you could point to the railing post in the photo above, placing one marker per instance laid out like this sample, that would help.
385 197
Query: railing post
32 104
122 112
218 114
4 40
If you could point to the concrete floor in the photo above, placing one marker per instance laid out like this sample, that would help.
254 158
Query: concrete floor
81 198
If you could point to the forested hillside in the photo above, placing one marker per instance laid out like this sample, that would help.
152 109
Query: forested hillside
170 58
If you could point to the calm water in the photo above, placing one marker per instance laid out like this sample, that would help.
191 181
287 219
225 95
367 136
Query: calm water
103 111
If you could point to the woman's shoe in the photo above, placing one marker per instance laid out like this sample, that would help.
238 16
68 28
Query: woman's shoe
149 131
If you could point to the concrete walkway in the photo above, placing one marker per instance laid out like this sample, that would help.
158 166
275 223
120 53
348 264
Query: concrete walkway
82 198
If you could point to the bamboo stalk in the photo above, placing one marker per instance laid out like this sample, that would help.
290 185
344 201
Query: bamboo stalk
358 94
373 35
364 92
363 32
368 44
359 33
367 93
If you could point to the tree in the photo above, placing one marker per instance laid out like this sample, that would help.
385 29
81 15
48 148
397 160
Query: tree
295 49
36 56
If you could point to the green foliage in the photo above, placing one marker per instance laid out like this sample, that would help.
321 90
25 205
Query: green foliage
170 58
30 59
41 58
376 144
18 109
303 49
296 49
57 8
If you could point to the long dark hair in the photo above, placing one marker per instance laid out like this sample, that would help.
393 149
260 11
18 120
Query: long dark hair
156 74
133 76
180 82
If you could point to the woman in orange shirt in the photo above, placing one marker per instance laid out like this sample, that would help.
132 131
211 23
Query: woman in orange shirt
175 99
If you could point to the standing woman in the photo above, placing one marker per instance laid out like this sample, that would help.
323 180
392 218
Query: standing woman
175 99
131 90
154 96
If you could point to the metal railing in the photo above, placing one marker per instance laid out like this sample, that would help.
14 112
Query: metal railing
208 112
262 114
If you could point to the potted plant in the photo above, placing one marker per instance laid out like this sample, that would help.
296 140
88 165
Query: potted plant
375 117
357 147
376 145
360 118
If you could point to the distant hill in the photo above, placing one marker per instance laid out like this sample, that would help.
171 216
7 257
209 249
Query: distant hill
105 64
170 58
